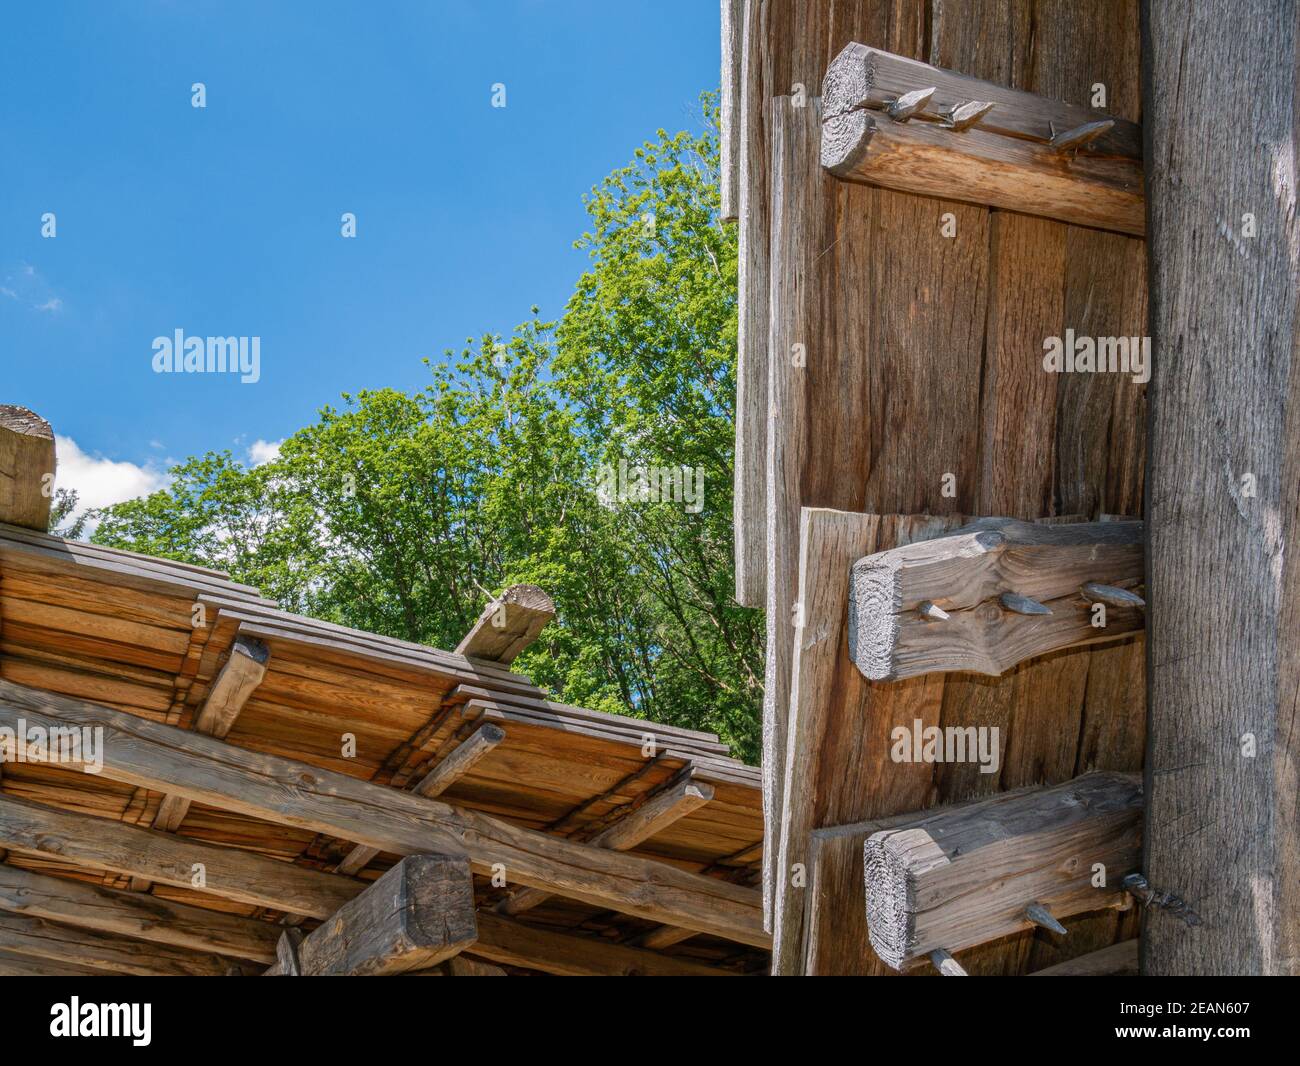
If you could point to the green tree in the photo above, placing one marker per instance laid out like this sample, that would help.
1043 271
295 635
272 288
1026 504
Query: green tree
401 513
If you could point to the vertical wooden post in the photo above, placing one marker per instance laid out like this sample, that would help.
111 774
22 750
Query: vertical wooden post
1224 463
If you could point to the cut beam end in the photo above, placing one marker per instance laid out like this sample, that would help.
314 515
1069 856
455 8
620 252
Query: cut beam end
27 463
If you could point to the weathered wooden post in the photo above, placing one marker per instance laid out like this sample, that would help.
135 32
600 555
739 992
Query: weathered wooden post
1223 831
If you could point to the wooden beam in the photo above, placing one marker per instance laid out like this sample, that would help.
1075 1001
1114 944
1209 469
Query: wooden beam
639 825
34 937
12 965
130 914
140 752
415 916
733 18
993 594
508 625
106 844
966 875
1118 960
27 463
980 142
455 766
1223 754
512 943
235 682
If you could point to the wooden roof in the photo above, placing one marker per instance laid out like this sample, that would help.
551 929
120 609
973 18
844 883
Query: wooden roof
149 636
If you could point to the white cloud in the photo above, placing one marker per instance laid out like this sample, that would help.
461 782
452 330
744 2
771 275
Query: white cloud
52 304
261 452
99 481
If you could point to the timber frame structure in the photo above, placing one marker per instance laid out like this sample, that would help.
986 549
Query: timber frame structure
198 783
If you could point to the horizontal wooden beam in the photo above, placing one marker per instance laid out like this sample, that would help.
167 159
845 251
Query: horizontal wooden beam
639 825
130 914
27 464
1118 960
966 875
461 761
230 873
12 965
148 754
35 937
993 594
512 943
896 122
508 625
416 915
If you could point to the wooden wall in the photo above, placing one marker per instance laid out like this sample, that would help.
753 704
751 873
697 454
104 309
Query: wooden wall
923 357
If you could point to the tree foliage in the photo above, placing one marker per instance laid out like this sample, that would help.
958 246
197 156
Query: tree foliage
401 512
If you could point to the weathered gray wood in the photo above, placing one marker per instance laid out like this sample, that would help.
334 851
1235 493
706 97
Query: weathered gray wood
749 506
144 753
964 876
455 766
105 844
733 17
512 943
1007 590
234 684
12 965
1223 759
130 914
34 937
26 468
508 625
1118 960
418 914
997 152
656 814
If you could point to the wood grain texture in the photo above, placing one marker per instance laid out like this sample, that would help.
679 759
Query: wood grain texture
966 573
733 26
1222 828
963 876
26 468
1118 960
143 753
508 625
419 913
147 918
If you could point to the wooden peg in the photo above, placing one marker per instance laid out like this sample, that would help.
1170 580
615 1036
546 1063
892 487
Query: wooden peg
1040 915
909 104
1112 595
964 116
1080 135
1022 604
930 611
946 964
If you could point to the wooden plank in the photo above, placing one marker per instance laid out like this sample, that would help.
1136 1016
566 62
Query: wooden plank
463 759
1223 764
733 17
839 751
959 602
33 937
12 965
418 914
1013 157
26 468
512 943
967 875
1118 960
235 683
140 917
210 771
113 846
639 825
508 625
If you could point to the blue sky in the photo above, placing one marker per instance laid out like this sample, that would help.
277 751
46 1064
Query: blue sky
225 220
